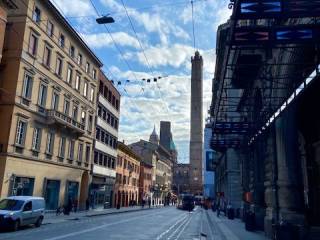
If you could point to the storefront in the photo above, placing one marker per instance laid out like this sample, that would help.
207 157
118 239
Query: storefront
72 191
22 186
51 194
102 191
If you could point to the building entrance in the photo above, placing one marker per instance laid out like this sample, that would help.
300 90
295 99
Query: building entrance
52 191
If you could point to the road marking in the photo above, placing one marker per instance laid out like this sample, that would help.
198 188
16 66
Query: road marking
183 228
177 229
96 228
177 222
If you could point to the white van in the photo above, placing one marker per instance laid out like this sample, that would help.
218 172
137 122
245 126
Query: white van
19 211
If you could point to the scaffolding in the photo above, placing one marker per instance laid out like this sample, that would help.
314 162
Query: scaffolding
275 42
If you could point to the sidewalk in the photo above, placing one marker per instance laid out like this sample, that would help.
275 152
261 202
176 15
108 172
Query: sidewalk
50 218
234 229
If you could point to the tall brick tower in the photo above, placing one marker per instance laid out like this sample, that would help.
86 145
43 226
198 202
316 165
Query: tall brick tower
196 124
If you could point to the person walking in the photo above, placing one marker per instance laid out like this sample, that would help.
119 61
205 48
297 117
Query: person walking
149 202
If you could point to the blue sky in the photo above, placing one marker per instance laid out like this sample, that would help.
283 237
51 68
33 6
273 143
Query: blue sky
164 29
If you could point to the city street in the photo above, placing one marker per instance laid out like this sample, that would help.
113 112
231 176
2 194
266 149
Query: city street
159 223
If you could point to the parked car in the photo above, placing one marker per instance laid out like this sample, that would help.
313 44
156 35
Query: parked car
19 211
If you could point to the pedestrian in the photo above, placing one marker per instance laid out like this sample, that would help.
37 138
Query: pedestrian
87 204
149 202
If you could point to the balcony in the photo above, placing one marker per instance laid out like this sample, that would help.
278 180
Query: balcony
58 118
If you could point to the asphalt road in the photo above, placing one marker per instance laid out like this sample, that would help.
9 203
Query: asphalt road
155 224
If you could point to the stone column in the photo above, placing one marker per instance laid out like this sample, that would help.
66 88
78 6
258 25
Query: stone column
3 22
290 185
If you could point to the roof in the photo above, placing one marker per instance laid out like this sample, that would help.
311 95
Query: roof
105 79
71 29
24 198
172 145
125 149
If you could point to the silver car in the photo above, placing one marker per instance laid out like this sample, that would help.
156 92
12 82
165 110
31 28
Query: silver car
19 211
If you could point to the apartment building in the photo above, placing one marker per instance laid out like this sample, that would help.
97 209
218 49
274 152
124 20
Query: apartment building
145 182
49 81
127 177
105 153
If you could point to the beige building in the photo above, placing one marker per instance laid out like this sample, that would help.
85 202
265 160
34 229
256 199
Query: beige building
49 81
127 177
161 160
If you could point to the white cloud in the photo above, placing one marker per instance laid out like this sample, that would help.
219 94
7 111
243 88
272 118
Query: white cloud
100 40
74 7
153 22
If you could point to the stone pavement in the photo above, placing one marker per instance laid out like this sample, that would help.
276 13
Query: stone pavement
50 218
233 229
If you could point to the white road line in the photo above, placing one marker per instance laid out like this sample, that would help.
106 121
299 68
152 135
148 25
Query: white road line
165 232
177 229
183 228
96 228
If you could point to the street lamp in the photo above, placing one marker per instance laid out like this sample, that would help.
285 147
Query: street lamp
105 20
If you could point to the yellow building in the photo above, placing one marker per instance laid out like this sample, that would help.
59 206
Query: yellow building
48 82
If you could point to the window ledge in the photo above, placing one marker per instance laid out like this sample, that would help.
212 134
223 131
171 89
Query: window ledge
32 56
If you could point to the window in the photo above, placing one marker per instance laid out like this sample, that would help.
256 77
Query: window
69 75
105 92
105 160
94 73
33 44
101 87
62 147
36 15
50 141
83 117
100 159
113 163
59 65
80 152
21 132
102 136
77 85
79 59
61 40
117 104
109 96
66 107
85 89
27 207
55 101
42 97
98 134
109 162
90 122
71 150
27 87
88 149
71 51
36 140
96 156
87 69
50 29
75 112
47 56
113 100
99 110
92 94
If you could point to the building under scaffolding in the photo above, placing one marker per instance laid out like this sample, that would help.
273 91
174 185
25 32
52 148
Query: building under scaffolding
266 125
